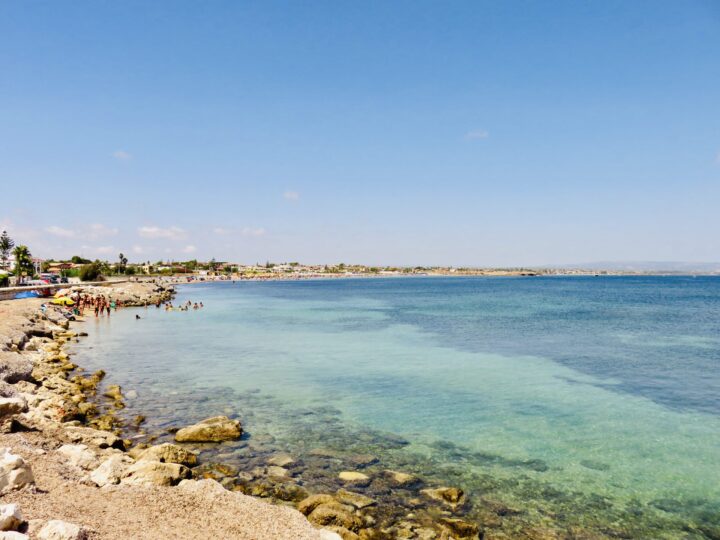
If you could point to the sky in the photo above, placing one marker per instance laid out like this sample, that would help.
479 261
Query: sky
477 133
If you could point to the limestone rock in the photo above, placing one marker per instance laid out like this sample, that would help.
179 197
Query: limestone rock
281 460
449 495
15 367
14 472
169 453
334 514
324 534
306 506
461 528
61 530
10 517
402 479
94 437
354 478
13 535
215 429
79 455
111 471
354 499
277 472
114 392
12 405
155 473
343 533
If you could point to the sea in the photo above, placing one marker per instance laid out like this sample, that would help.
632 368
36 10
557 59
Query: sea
576 402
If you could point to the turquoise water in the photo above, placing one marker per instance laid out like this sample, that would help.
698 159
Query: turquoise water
589 400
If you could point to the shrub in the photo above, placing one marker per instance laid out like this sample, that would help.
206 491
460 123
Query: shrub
90 272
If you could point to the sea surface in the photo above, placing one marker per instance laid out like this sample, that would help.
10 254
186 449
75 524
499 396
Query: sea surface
592 401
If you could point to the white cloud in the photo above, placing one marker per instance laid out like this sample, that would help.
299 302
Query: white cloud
173 233
138 249
98 230
253 231
477 134
122 155
189 249
221 230
104 250
291 195
59 231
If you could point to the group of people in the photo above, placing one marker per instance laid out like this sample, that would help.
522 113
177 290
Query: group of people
185 306
99 304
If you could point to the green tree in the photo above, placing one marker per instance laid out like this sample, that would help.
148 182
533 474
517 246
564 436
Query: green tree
90 272
6 245
79 260
23 262
122 263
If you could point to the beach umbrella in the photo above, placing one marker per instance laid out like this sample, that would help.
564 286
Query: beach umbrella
62 301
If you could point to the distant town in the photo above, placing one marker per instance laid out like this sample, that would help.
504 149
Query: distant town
19 267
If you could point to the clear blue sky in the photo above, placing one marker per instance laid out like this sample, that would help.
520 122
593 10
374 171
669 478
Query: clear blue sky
459 133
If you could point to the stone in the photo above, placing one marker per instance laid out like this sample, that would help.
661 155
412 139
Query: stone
354 478
402 479
323 534
277 472
114 392
461 528
14 472
61 530
281 460
343 533
12 405
13 535
334 514
306 506
215 429
355 499
155 473
111 471
15 367
94 437
169 453
10 517
448 495
79 455
363 460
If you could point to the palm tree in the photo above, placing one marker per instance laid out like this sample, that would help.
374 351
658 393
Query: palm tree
23 262
6 245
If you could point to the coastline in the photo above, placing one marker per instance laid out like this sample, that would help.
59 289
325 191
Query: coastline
50 429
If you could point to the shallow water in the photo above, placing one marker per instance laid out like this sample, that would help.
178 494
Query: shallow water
592 400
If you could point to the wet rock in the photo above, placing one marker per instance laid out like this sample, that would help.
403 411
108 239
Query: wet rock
215 429
14 472
169 453
363 460
277 472
61 530
111 471
354 499
448 495
79 455
113 392
10 517
155 473
281 460
354 478
306 506
325 453
402 479
461 528
334 514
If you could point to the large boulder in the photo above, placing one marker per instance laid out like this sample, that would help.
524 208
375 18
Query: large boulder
10 517
306 506
155 473
15 367
14 472
61 530
79 455
169 453
215 429
112 470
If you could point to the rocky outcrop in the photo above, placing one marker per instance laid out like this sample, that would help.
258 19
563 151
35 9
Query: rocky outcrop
215 429
61 530
14 472
169 453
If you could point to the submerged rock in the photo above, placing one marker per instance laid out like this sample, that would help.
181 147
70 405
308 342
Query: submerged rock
355 499
335 514
448 495
402 479
306 506
281 460
461 528
354 478
215 429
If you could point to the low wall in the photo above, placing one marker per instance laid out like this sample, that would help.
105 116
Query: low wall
8 293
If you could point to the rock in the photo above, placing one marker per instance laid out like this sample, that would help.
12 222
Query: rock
281 460
215 429
324 534
449 495
354 478
94 437
169 453
114 392
277 472
402 479
355 499
79 455
155 473
15 367
334 514
363 460
14 472
12 405
13 535
461 528
10 517
343 533
306 506
111 471
61 530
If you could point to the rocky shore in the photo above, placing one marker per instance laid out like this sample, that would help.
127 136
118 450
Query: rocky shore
66 474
